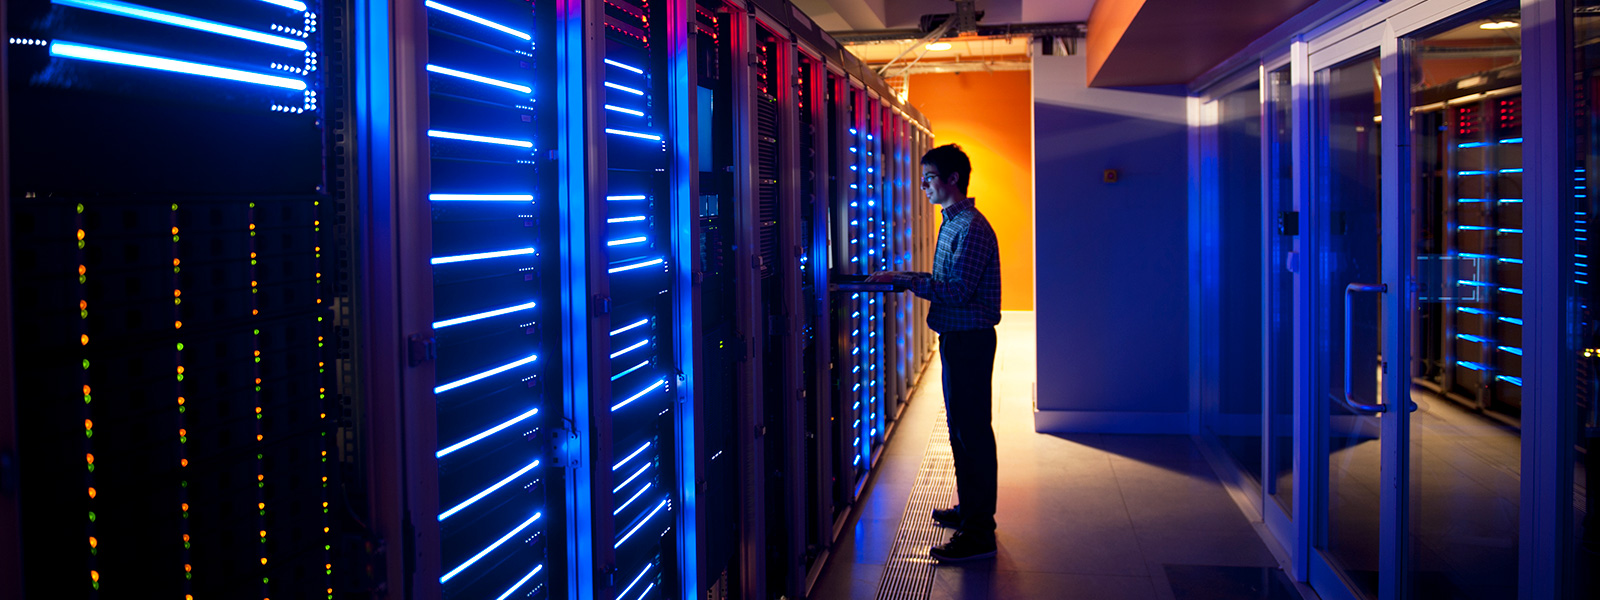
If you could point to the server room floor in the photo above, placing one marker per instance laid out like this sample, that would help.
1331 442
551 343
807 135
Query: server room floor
1080 515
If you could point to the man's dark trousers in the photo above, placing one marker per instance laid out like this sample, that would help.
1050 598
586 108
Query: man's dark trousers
967 358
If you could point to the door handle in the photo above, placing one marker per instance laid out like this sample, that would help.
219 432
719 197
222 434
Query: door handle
1349 399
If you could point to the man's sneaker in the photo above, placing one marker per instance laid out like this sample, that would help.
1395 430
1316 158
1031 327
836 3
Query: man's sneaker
965 546
948 517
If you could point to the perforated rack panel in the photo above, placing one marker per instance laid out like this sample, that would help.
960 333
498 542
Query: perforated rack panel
181 358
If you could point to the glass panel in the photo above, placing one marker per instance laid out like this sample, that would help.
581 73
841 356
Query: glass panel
1466 355
1584 324
1234 415
1284 229
1350 232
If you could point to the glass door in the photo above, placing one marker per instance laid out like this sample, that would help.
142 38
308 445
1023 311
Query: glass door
1347 324
1463 441
1417 312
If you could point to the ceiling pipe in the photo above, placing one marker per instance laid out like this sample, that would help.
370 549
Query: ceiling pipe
1065 29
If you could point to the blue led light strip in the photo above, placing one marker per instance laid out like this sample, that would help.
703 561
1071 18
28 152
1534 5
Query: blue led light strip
490 490
624 88
623 66
480 79
486 551
626 241
467 137
1472 338
640 323
519 582
1472 365
635 529
636 495
477 19
623 351
489 373
1475 311
442 260
1512 320
615 198
481 197
651 388
630 479
132 59
635 266
124 9
483 315
646 136
1516 381
493 430
289 4
624 461
624 110
625 219
635 580
646 591
625 373
1511 349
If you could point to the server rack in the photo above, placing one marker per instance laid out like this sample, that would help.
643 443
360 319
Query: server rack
535 318
178 208
1471 331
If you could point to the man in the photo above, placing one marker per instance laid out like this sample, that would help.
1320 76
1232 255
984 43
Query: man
964 289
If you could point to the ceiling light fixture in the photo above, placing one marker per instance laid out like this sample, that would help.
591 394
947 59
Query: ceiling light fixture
1499 25
937 46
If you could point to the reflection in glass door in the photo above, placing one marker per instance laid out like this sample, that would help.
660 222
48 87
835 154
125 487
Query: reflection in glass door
1464 440
1283 228
1347 316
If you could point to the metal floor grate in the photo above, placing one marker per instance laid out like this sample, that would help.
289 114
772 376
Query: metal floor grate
908 572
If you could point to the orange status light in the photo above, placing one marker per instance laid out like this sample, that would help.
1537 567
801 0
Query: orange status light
185 507
188 568
183 462
252 255
176 293
254 312
185 537
93 543
91 458
83 305
258 353
252 227
174 231
84 338
261 505
80 234
95 575
183 432
263 533
260 477
180 368
180 400
258 381
88 424
175 262
92 493
83 269
258 437
86 389
258 410
177 324
264 561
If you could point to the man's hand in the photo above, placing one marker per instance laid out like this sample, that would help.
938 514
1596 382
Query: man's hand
884 277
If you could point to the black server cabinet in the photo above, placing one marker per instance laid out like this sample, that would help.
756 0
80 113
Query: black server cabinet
629 196
179 204
720 337
816 398
494 293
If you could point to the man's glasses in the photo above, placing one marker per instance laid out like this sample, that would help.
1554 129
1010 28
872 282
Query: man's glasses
929 177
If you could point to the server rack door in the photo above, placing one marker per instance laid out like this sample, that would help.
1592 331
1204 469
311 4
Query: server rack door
175 209
875 258
841 398
717 449
631 228
494 284
776 185
817 394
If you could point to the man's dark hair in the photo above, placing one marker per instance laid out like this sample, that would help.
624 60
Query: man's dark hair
949 159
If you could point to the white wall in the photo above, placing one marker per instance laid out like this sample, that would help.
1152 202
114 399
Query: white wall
1112 258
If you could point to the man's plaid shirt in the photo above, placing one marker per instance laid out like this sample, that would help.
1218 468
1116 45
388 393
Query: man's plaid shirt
964 286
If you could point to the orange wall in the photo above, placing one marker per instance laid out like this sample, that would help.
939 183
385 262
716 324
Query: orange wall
991 116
